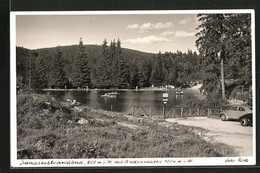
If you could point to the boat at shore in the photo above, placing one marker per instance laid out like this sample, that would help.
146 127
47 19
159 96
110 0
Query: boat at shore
179 92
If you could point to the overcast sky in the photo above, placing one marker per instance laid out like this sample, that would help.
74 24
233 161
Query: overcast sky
147 32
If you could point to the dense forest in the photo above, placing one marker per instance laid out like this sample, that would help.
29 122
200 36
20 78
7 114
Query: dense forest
223 63
104 66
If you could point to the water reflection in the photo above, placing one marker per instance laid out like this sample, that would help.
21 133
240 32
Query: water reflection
123 101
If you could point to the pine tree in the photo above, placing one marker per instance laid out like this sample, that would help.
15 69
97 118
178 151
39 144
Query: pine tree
225 41
144 73
36 71
133 75
113 64
107 68
239 49
157 73
57 75
33 71
76 74
81 72
142 79
100 73
40 71
84 66
30 68
121 67
212 40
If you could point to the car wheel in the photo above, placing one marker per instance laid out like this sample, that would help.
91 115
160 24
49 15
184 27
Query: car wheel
244 122
223 117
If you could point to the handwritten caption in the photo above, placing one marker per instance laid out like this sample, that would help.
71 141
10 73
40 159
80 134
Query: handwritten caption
132 162
106 162
231 160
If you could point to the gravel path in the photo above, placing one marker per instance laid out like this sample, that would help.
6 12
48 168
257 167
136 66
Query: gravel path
228 132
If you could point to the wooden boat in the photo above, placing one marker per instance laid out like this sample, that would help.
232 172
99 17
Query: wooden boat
113 95
73 102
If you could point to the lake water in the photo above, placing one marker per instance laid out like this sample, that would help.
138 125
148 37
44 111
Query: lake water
124 100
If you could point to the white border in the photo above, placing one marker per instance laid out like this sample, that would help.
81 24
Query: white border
253 81
13 120
209 161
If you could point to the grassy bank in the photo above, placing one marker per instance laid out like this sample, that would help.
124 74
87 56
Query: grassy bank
48 128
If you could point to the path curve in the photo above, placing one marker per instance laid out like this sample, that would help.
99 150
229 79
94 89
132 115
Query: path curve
228 132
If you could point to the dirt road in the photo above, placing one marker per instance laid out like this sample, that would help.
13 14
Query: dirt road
228 132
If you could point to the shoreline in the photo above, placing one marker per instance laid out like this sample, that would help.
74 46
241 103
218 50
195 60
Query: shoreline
140 89
193 88
87 90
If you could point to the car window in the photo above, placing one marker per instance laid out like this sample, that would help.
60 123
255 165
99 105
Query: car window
241 109
234 108
227 108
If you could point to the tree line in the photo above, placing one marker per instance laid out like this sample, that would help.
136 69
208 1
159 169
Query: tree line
112 68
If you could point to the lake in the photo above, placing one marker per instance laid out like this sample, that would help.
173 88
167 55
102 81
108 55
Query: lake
124 100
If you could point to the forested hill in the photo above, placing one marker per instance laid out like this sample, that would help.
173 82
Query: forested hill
93 51
127 68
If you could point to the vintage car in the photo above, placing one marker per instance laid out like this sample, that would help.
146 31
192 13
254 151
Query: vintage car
235 112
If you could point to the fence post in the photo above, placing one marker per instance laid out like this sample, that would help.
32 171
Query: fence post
181 111
189 112
208 111
132 110
111 107
163 111
150 111
173 111
198 109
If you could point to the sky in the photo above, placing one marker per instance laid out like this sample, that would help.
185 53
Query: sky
144 32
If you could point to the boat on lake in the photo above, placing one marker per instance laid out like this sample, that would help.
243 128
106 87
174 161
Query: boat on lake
111 94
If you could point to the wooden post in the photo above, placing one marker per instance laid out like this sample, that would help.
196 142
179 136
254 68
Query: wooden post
198 109
181 111
173 113
163 111
189 112
111 107
138 110
150 111
132 110
208 112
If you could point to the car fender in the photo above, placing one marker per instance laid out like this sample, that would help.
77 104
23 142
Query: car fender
246 115
224 114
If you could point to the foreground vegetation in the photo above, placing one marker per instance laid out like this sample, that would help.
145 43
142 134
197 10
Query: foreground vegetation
48 128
